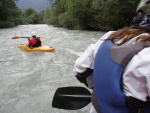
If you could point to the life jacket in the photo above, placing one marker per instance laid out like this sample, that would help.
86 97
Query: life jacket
109 65
38 42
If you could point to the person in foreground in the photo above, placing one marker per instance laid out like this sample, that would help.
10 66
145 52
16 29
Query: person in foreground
34 41
117 68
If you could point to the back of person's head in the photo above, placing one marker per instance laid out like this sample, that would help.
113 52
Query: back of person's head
142 20
33 34
140 24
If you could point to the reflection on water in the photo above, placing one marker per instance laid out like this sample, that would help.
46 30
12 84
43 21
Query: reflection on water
28 80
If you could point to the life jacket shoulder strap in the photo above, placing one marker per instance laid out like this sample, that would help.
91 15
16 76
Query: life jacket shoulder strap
122 54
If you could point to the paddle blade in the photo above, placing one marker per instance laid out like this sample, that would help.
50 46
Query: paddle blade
43 37
16 37
71 98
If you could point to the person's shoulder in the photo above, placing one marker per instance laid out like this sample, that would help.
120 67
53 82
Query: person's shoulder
110 32
31 38
107 34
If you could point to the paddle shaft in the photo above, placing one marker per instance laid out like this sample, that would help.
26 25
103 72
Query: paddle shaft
25 37
17 37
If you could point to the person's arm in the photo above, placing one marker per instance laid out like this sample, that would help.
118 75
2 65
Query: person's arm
83 67
136 77
40 39
29 39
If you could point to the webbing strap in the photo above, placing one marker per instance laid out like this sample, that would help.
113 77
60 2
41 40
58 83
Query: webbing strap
135 105
95 103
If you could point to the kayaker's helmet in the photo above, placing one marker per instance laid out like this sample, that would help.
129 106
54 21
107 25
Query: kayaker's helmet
33 34
142 20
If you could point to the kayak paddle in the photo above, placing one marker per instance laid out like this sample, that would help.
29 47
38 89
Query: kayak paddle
17 37
71 98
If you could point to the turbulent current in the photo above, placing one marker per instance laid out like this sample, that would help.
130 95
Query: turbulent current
29 80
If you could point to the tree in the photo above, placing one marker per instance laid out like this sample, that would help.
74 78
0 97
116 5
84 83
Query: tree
92 14
9 14
30 16
115 14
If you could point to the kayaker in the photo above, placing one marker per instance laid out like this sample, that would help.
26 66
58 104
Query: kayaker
117 68
34 41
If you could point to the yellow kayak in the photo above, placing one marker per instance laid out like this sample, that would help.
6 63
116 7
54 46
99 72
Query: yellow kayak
40 49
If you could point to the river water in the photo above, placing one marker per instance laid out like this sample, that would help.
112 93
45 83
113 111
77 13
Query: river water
29 80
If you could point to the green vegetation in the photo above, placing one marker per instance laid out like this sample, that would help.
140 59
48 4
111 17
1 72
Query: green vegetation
9 14
91 14
30 16
72 14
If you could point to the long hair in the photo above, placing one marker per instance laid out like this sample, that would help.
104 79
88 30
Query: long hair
127 33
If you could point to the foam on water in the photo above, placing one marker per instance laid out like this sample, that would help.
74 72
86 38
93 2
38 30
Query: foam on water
29 80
